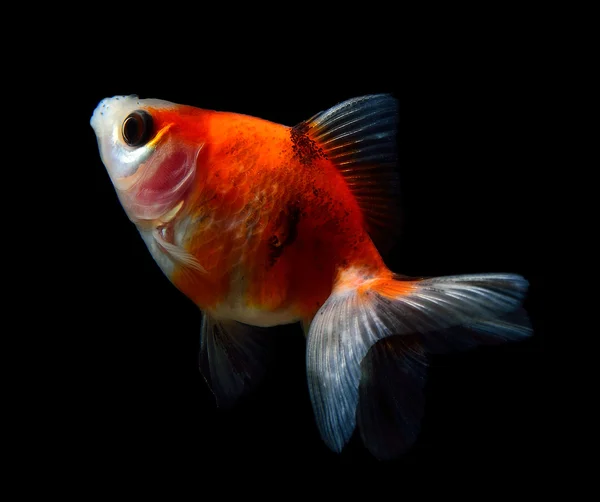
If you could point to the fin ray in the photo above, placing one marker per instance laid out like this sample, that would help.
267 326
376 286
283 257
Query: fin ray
359 137
178 254
391 398
436 314
232 358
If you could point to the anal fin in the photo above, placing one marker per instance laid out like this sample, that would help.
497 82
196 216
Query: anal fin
232 358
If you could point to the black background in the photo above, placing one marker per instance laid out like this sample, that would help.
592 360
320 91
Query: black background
471 154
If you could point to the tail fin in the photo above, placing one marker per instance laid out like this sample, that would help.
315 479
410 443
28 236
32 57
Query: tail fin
426 314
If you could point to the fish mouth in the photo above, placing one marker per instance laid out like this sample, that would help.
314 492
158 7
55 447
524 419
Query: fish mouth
107 108
97 115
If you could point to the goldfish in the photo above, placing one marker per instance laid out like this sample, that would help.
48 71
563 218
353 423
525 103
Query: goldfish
261 224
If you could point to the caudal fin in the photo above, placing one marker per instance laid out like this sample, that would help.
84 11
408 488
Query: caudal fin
384 389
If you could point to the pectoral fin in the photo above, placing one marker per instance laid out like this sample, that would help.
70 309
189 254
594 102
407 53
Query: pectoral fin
177 253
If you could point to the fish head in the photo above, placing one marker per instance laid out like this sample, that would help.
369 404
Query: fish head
149 160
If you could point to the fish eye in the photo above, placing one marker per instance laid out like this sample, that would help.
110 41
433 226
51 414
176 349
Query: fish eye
137 128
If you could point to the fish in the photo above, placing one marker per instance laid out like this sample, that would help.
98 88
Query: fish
262 224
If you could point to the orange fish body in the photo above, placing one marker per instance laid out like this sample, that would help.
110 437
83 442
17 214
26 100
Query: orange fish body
261 224
278 218
278 228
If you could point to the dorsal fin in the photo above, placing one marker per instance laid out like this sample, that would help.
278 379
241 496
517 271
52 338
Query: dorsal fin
359 137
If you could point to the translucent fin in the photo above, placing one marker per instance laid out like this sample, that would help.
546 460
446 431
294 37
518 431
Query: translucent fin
305 324
178 254
391 398
441 302
510 326
393 374
351 321
232 358
359 136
